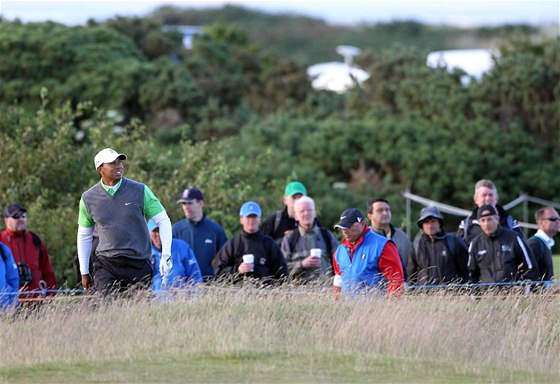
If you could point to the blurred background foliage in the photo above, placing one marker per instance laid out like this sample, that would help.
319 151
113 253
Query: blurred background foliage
236 115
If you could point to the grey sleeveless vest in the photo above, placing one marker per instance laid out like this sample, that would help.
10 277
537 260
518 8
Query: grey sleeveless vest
120 220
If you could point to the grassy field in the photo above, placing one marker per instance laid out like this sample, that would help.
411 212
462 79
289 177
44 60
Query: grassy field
283 335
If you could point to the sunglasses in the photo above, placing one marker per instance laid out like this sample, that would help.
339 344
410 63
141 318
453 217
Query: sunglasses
552 218
19 216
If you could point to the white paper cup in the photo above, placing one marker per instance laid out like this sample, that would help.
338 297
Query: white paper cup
316 252
249 259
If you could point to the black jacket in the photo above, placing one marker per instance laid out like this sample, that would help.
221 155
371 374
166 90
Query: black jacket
543 257
269 260
502 257
470 227
441 261
278 225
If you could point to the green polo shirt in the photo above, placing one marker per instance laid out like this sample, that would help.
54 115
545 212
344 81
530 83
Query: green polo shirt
152 206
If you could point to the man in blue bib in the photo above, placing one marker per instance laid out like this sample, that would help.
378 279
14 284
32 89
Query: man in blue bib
365 261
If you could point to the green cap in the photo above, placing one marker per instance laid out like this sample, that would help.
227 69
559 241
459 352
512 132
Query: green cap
294 188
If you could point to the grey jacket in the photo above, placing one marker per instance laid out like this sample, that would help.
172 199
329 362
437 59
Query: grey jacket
404 246
294 253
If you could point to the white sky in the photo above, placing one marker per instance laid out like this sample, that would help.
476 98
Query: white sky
457 12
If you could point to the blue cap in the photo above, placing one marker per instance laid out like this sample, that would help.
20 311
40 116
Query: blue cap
250 208
152 225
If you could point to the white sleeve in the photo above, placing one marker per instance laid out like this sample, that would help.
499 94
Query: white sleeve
337 281
84 240
165 234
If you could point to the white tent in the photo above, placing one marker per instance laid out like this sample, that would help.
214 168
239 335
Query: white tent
338 76
475 62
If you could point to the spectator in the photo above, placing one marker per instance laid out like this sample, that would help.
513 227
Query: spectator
9 279
542 242
29 251
120 206
379 213
498 254
438 257
364 259
297 246
269 263
185 271
204 236
485 192
282 223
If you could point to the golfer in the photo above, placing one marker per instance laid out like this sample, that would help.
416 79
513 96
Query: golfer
120 207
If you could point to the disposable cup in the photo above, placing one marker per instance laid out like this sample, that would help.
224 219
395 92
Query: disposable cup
316 252
249 259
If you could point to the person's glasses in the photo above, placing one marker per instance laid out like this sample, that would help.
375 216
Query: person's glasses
22 215
552 218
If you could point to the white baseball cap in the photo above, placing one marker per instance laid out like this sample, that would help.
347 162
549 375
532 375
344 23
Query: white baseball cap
107 155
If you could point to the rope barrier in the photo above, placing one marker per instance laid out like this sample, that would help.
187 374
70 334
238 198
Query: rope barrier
467 286
546 283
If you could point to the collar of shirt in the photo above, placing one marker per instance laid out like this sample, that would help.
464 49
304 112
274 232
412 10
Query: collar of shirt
307 232
111 190
199 222
360 241
544 237
383 233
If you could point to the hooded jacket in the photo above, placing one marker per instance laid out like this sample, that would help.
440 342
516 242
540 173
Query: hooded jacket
442 260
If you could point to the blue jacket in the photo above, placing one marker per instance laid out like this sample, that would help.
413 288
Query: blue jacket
9 279
362 271
205 238
185 271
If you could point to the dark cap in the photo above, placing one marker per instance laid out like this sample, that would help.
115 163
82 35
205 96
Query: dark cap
349 217
486 210
191 194
12 209
428 212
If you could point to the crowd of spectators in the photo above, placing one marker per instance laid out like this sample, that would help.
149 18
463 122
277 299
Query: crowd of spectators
126 242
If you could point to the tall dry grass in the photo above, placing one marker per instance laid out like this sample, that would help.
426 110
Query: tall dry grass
508 331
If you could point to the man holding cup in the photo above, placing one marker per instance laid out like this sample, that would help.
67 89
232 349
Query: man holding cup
308 250
250 253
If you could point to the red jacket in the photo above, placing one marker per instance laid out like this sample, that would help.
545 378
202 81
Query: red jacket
25 251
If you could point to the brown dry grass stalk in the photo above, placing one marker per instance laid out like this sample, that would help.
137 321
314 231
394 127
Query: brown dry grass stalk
508 331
